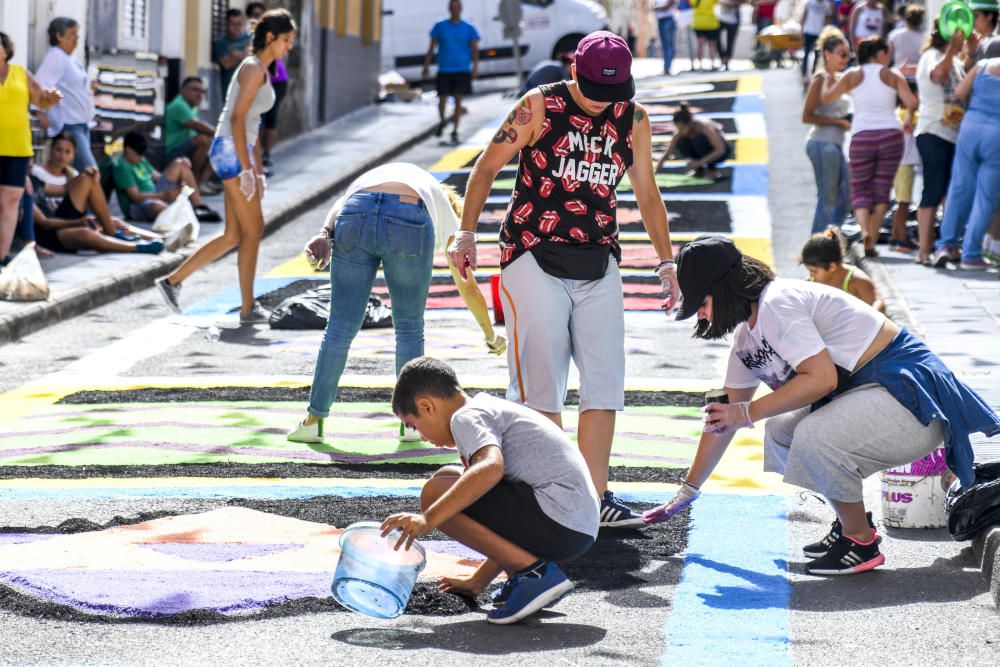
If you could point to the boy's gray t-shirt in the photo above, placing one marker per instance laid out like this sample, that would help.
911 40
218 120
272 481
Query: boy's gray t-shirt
536 452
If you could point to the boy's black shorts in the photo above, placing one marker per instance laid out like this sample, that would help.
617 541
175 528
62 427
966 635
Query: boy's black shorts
454 83
511 510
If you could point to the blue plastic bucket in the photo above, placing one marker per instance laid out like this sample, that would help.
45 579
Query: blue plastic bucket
371 578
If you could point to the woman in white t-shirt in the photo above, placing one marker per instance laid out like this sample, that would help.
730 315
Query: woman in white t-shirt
851 393
394 216
938 72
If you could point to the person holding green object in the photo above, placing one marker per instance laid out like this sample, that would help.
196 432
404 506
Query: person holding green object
984 42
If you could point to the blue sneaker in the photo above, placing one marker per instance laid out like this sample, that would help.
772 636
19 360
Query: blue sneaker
126 235
500 595
616 514
530 593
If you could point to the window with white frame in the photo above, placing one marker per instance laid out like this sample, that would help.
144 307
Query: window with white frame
133 24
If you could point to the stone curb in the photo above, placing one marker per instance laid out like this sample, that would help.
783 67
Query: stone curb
895 303
82 299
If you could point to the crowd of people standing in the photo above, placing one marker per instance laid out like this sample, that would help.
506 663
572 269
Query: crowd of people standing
937 107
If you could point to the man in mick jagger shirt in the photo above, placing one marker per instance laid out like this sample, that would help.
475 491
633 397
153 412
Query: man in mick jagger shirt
560 289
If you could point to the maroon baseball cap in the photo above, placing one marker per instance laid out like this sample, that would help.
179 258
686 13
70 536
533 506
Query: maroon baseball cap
604 67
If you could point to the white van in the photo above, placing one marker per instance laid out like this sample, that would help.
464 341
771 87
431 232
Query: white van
550 27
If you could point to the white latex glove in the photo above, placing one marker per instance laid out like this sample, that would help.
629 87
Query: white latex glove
723 418
496 345
262 185
248 183
671 288
462 252
685 496
319 250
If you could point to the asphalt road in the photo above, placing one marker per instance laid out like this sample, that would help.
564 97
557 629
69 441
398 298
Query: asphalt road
927 606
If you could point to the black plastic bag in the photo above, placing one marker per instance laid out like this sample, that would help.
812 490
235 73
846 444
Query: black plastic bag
311 310
978 508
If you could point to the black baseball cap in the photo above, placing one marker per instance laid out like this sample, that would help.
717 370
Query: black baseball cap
700 264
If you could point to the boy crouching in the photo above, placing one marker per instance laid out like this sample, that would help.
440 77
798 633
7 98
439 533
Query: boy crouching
523 498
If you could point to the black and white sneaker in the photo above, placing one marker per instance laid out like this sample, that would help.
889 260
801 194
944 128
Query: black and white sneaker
257 315
170 293
616 514
848 556
819 549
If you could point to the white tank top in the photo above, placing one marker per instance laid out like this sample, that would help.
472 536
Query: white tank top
874 102
262 103
869 22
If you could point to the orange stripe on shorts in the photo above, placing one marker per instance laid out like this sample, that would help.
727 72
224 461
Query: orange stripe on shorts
517 352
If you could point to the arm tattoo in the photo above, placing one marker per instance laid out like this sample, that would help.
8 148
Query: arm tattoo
522 115
639 114
500 136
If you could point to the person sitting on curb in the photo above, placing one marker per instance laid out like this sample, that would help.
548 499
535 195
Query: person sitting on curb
523 496
700 141
84 233
393 216
185 135
64 193
851 394
143 192
823 256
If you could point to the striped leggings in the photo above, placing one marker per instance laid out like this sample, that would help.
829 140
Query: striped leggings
875 156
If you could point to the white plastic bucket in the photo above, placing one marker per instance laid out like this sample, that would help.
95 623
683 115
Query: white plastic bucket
913 495
371 577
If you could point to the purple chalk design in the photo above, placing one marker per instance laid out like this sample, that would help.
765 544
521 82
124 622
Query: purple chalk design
157 593
218 553
452 548
21 538
160 593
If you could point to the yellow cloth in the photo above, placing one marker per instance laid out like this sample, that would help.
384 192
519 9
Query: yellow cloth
704 15
15 130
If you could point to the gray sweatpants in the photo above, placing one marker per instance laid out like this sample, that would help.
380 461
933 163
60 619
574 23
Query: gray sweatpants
855 435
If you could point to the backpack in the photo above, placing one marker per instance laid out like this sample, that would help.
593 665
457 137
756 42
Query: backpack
978 508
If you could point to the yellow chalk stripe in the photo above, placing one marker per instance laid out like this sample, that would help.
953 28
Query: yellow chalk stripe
749 85
758 247
202 482
750 150
295 268
29 399
456 159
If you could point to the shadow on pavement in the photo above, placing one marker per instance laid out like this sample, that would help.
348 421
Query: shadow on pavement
478 637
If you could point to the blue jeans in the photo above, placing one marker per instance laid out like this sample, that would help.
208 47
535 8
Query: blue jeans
225 161
832 183
374 228
974 191
81 137
668 36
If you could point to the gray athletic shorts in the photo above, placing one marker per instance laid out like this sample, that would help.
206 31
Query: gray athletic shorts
830 451
552 320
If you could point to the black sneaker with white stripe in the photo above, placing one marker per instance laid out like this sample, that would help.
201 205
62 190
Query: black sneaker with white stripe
819 549
616 514
848 556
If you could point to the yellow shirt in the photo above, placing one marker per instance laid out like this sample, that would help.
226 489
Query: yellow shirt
704 15
15 130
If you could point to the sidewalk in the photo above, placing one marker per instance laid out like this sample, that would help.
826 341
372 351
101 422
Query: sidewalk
957 313
308 169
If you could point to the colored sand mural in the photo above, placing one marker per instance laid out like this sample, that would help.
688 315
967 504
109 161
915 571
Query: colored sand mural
230 561
180 432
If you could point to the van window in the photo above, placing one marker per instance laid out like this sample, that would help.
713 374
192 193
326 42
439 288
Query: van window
537 3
